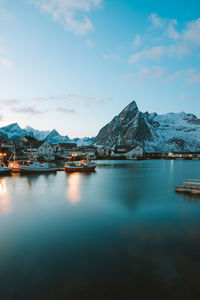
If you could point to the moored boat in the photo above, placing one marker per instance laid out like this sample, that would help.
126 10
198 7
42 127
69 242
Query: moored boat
34 167
5 170
15 166
83 166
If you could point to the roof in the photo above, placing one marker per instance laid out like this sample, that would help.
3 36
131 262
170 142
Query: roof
29 138
36 144
68 145
3 139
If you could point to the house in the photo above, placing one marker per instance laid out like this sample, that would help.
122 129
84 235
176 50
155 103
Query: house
127 152
65 146
135 152
155 155
90 152
74 153
102 153
41 149
6 146
184 155
57 150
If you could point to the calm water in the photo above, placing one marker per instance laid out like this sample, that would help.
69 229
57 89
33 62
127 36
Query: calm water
118 233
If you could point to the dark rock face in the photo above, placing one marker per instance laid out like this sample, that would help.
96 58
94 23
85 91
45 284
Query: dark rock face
128 128
152 132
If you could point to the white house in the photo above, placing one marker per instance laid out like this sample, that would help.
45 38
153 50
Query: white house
45 149
135 152
41 149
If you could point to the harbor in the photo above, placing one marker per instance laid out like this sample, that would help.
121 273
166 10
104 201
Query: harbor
82 233
190 186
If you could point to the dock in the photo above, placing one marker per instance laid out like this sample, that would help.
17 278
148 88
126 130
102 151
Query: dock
190 186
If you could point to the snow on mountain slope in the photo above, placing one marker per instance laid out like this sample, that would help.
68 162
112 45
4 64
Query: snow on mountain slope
154 133
176 132
14 131
39 135
82 141
54 137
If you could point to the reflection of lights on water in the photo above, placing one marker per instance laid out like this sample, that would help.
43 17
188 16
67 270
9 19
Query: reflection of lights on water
73 190
5 205
172 166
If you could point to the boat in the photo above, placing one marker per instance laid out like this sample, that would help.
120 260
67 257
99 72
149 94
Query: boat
14 164
35 167
84 166
5 170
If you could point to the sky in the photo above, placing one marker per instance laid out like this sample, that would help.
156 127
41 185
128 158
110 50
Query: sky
73 65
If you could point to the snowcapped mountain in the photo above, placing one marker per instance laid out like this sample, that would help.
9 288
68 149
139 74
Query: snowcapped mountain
154 133
82 141
54 137
14 131
39 135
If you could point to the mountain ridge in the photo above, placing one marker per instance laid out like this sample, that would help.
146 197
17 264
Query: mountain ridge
152 132
14 131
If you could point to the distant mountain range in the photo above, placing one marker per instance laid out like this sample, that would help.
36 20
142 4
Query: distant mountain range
153 132
14 131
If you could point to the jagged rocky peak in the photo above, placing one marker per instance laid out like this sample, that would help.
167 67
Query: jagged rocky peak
152 132
125 129
54 132
129 111
13 126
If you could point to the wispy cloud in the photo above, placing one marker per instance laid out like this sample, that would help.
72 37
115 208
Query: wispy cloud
186 97
65 111
153 53
193 76
190 76
155 20
137 41
4 15
68 12
171 42
89 43
30 110
9 102
40 99
146 73
186 76
73 99
110 56
7 63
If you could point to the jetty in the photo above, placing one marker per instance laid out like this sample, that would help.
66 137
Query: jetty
190 186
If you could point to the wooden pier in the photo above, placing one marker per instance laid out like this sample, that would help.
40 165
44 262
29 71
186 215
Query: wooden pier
190 186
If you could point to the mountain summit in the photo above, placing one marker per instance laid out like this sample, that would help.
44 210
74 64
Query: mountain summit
14 131
154 133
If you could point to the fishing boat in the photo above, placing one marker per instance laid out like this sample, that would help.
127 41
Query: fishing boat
84 166
13 163
15 166
5 170
34 167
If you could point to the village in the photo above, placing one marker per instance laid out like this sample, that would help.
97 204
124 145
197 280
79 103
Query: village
29 147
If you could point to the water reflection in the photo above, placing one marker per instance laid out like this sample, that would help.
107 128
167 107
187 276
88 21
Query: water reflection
73 189
5 204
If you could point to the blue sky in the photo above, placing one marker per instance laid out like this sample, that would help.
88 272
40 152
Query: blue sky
74 64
